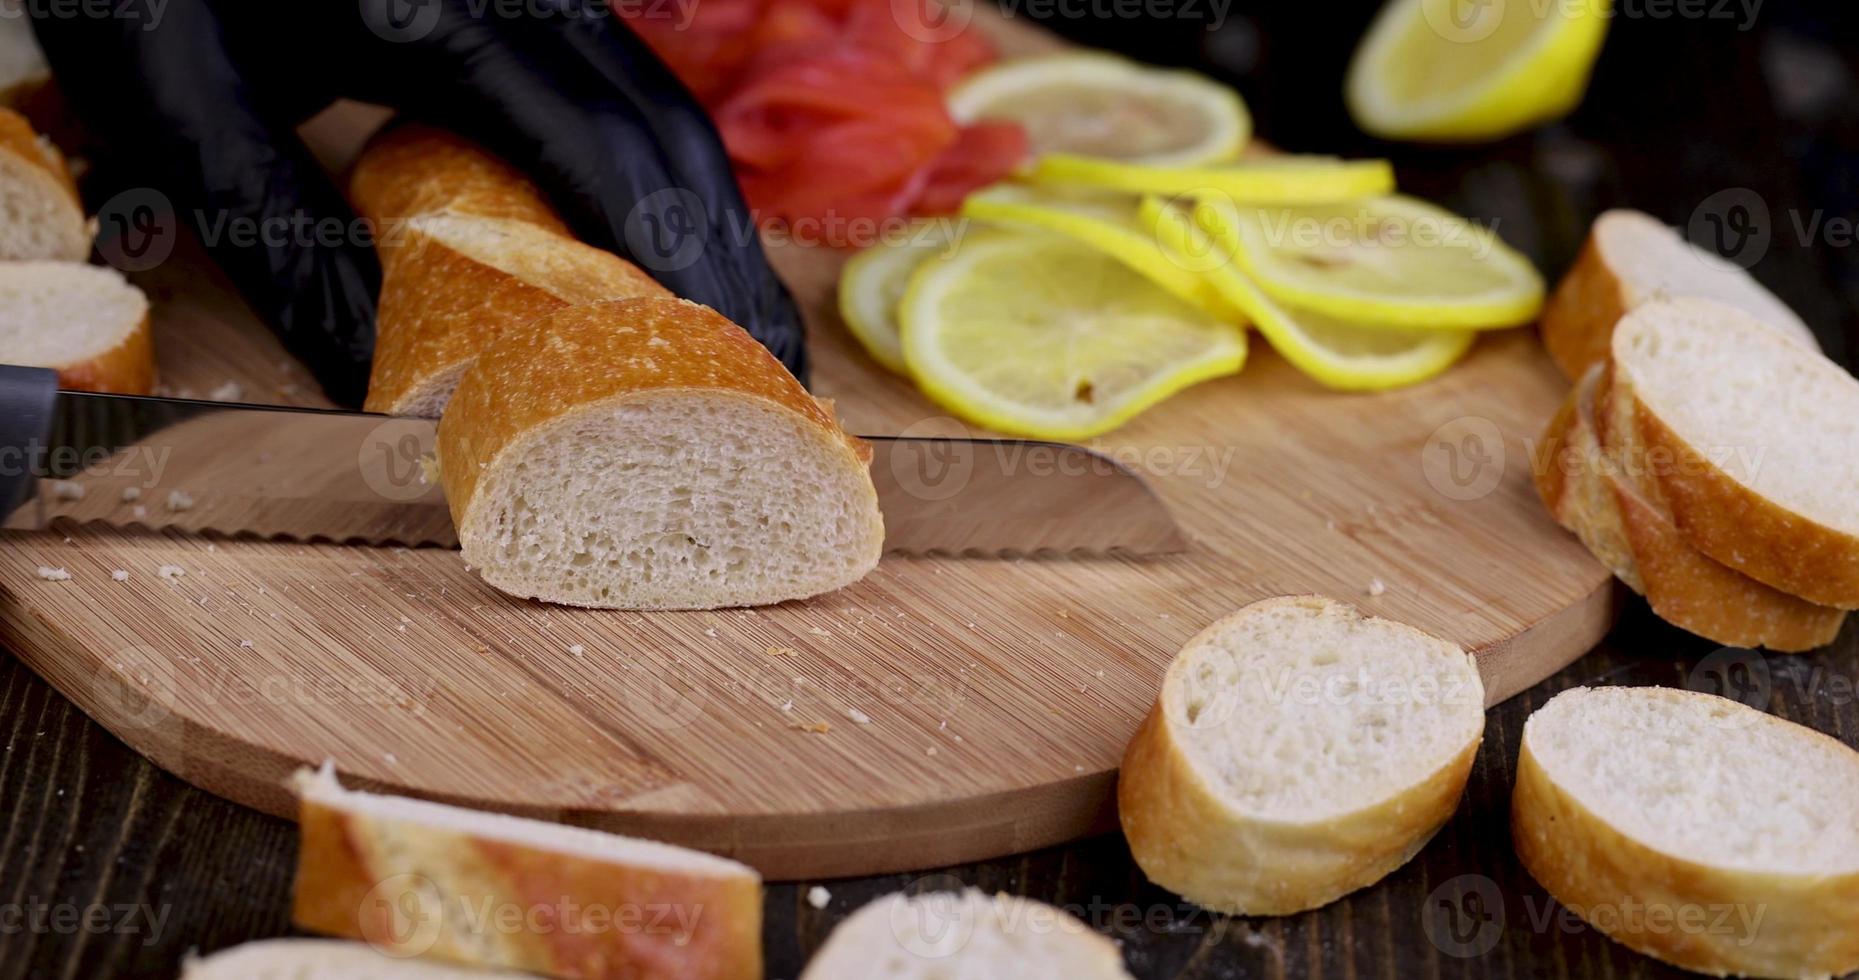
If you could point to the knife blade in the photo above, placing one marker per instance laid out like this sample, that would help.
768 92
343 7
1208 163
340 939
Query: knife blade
310 474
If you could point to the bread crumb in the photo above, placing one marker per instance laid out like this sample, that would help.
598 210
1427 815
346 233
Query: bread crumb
66 490
229 391
818 897
140 511
390 758
858 716
245 644
813 728
783 652
429 468
132 493
1376 587
54 574
171 571
179 500
120 575
577 649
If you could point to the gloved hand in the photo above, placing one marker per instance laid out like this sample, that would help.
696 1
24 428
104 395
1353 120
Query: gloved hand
199 99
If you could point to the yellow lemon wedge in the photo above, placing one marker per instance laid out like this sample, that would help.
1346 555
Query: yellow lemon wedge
1458 71
1386 261
1039 335
1333 352
872 285
1104 106
1259 180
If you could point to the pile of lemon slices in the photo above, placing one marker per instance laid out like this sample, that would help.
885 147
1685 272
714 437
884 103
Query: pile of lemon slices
1115 272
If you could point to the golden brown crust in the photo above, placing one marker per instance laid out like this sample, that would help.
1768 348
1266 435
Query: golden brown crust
18 138
626 348
1807 927
409 170
126 369
1579 319
497 904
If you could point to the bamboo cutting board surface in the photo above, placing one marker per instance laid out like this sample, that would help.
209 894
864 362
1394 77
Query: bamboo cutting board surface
942 710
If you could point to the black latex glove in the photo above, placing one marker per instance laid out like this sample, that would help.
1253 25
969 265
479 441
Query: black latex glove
199 99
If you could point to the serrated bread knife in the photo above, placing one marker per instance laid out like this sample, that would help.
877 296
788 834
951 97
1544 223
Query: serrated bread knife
308 474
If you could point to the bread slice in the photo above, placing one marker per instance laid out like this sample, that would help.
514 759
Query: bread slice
23 69
1632 258
1747 439
1694 829
966 935
84 321
41 215
453 282
1299 751
649 454
408 170
1588 492
322 959
415 878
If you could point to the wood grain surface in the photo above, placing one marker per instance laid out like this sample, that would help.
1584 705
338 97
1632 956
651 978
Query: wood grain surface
1684 110
940 710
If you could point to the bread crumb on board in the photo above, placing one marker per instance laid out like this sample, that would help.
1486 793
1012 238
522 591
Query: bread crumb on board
54 574
228 391
813 728
179 500
577 649
132 493
818 897
66 490
171 571
858 716
1376 586
120 575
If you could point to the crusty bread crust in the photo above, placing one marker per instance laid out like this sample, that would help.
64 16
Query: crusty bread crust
1189 840
1809 926
408 170
1578 321
1588 492
126 369
1724 519
355 873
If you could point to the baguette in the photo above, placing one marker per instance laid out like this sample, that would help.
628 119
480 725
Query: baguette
415 878
1588 492
322 959
1746 439
1251 788
44 215
649 454
84 321
1632 258
469 248
1669 821
967 935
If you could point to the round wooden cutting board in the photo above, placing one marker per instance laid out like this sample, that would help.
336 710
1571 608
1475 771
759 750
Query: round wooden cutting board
940 711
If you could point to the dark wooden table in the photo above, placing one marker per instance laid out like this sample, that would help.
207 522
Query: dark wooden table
1689 116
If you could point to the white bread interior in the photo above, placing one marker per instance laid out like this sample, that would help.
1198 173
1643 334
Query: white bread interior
39 217
1299 751
964 936
1653 261
1666 801
85 321
322 959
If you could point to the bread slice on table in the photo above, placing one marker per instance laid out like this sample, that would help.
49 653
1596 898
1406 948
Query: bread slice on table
415 878
1299 751
323 959
41 215
1632 258
84 321
649 454
1694 829
967 935
1591 494
454 282
408 170
1749 440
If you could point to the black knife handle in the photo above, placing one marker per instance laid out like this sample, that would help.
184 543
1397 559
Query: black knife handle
27 396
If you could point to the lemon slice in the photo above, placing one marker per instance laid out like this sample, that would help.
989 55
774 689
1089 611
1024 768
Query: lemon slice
873 283
1470 70
1261 180
1104 106
1389 261
1039 335
1106 221
1333 352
